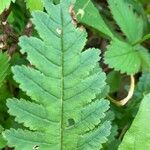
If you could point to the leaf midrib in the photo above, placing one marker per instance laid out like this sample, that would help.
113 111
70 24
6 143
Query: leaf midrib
62 79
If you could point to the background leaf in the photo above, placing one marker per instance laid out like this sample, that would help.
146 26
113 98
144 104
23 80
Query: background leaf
4 4
2 141
114 81
34 4
4 66
4 70
130 23
138 136
119 55
91 17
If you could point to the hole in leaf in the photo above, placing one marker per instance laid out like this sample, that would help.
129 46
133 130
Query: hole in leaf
71 122
36 147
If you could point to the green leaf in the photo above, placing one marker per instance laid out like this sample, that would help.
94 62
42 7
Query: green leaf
18 17
119 55
4 4
143 86
63 83
112 143
130 23
34 4
2 141
4 66
88 14
145 57
138 136
146 37
114 81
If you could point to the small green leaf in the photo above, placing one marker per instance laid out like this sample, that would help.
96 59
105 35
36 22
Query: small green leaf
88 14
130 23
122 57
4 4
126 58
34 4
138 136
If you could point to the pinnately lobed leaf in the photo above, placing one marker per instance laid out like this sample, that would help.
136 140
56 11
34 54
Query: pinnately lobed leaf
63 83
138 136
